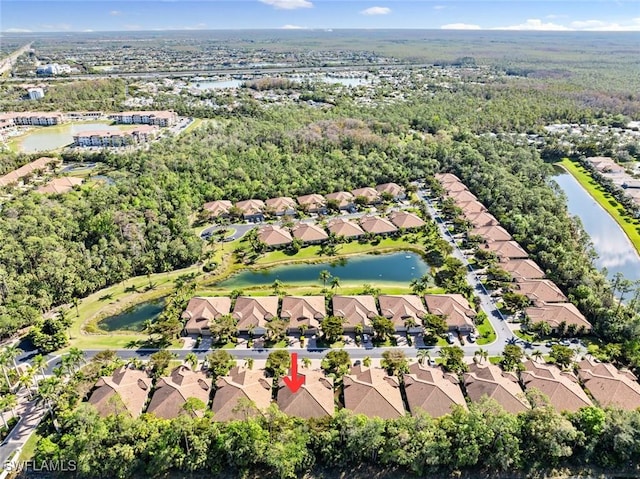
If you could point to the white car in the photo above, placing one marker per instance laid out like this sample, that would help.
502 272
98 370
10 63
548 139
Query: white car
450 338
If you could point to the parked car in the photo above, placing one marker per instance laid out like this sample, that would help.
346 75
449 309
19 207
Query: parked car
450 338
565 342
472 337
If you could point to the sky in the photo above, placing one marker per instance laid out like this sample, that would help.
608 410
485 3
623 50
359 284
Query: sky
101 15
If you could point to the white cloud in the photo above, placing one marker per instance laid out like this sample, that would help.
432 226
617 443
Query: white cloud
534 24
439 7
376 11
288 4
460 26
292 27
599 25
115 13
17 30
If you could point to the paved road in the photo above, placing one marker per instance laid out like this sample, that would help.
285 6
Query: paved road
240 230
31 413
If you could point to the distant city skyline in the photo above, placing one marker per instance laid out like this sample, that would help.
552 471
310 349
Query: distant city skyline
18 16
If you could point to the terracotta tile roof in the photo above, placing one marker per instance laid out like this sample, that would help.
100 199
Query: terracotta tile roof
471 207
556 313
454 307
391 188
562 388
403 219
540 291
432 390
127 388
492 233
522 269
445 178
462 196
314 399
255 311
400 307
344 227
16 175
60 185
281 205
377 225
482 218
309 310
369 193
489 380
173 391
312 202
454 186
371 392
609 386
251 207
507 249
355 309
344 198
273 235
241 383
218 208
309 232
202 309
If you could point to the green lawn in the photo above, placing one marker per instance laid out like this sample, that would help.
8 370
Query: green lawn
526 336
629 225
484 328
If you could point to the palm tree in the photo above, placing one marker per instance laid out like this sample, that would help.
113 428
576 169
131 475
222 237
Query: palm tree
335 282
192 360
422 355
303 329
39 362
10 402
248 362
3 408
324 277
537 355
483 354
12 352
277 287
366 362
4 363
25 381
76 357
306 363
76 303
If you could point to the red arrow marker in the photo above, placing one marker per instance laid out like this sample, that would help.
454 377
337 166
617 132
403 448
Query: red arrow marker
294 382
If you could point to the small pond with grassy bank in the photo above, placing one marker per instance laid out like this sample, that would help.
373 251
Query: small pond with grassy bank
133 318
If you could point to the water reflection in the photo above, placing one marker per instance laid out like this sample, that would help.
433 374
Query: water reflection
615 251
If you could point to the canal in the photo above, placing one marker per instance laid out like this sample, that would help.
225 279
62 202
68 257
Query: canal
615 251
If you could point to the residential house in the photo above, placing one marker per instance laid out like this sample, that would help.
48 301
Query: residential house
344 199
377 225
239 389
506 250
314 398
604 164
369 194
16 177
313 203
58 186
471 207
455 187
403 309
446 178
345 228
432 390
252 210
370 391
406 220
560 387
556 314
303 310
274 236
540 291
609 386
492 233
253 313
158 118
355 310
454 308
218 208
281 206
481 219
125 391
522 269
201 310
309 233
462 196
491 381
173 391
394 190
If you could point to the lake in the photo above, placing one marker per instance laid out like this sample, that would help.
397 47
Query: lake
53 137
232 83
615 251
216 85
133 318
388 268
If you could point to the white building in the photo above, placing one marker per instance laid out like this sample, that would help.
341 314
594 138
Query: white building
35 93
52 69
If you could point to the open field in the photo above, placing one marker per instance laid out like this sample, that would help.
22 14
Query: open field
629 225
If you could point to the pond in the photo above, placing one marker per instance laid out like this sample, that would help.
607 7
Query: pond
216 85
133 318
615 251
388 268
53 137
